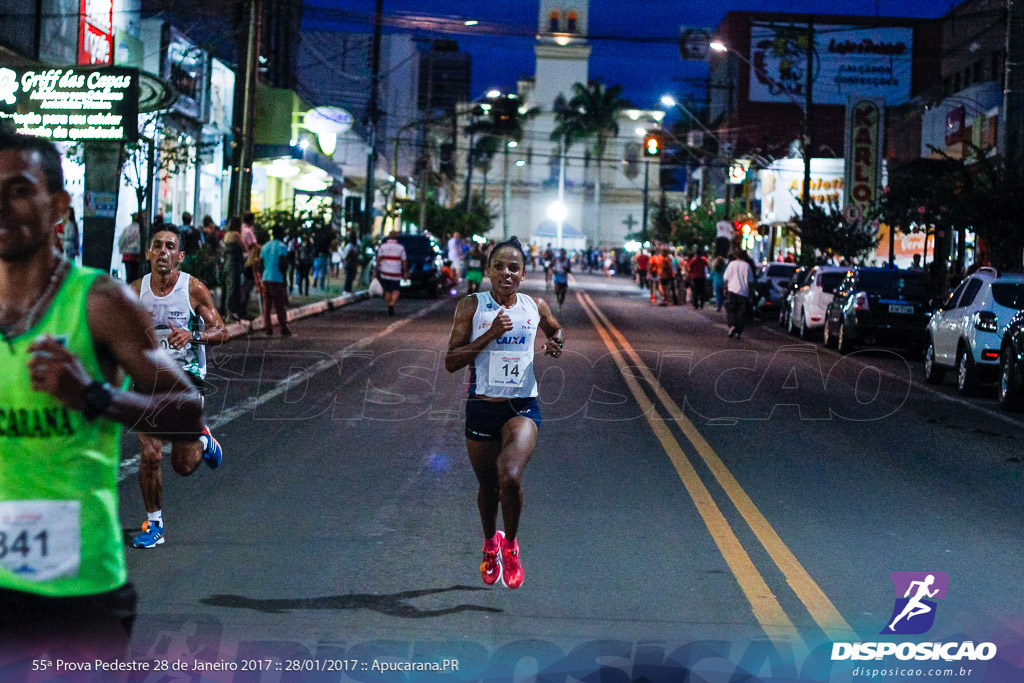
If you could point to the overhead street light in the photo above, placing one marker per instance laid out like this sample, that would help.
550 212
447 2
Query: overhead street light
493 94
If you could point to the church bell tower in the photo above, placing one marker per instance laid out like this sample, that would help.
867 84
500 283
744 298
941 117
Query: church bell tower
563 53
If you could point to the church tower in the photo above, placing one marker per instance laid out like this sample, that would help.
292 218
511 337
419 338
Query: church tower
562 50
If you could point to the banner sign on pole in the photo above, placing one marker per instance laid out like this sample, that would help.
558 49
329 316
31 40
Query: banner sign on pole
865 118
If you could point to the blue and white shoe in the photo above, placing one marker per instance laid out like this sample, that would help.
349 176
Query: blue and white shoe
152 535
212 454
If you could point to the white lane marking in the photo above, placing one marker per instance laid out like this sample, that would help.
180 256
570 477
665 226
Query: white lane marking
131 465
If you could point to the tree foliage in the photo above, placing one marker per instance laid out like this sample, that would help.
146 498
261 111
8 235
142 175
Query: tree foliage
824 232
443 220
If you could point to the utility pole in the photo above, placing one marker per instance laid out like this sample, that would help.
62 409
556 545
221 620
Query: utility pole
372 118
808 143
424 181
506 190
1013 90
241 168
469 167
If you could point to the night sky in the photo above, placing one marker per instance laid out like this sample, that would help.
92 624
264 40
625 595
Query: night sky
502 46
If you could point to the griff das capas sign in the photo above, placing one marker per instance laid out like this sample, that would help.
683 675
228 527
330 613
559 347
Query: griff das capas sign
69 104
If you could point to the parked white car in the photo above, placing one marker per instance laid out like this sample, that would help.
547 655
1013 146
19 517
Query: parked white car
807 316
966 332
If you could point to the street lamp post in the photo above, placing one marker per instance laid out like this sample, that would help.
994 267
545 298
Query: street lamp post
643 222
807 107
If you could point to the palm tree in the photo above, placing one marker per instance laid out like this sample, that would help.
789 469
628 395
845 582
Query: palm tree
487 145
592 112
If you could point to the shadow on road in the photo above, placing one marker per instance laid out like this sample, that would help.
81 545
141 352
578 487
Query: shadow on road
392 605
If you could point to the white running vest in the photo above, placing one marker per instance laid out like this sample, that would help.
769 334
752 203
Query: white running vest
176 308
504 369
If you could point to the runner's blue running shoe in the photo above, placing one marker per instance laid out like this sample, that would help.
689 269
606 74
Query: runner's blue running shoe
212 454
152 535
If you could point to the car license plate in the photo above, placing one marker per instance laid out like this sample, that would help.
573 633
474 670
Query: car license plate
898 308
405 283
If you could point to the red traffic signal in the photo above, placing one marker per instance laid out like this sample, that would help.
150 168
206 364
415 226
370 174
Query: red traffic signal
652 145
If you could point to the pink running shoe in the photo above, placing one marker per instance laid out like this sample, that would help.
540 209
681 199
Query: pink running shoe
490 568
513 571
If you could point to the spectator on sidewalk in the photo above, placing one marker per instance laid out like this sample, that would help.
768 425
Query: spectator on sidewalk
321 243
306 263
129 244
210 238
275 296
234 258
350 257
71 238
248 231
191 243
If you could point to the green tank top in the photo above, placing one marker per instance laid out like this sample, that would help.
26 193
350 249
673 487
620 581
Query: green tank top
59 529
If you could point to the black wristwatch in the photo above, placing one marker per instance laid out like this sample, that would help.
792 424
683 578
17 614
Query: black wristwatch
97 399
196 336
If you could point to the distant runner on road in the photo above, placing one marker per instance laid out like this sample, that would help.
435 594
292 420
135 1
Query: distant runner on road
494 334
184 321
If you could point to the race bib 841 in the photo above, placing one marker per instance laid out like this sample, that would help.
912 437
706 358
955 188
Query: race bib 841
40 540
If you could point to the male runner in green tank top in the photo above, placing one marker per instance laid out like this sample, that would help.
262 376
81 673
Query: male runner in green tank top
67 332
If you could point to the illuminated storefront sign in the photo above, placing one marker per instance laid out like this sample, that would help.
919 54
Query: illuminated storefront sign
96 32
72 104
864 120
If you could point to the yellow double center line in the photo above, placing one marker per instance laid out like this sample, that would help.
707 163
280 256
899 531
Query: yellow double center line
767 610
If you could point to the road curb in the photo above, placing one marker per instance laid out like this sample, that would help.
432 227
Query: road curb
242 329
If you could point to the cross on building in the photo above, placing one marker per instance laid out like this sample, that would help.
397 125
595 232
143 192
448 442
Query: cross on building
629 223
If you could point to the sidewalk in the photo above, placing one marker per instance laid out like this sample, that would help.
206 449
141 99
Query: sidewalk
300 307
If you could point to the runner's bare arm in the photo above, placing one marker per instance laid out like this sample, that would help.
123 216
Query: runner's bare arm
215 332
163 402
137 287
551 328
462 351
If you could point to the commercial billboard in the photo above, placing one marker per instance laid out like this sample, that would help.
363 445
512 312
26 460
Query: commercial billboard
72 104
96 32
870 61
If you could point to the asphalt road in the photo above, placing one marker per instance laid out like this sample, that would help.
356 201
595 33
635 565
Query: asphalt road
723 505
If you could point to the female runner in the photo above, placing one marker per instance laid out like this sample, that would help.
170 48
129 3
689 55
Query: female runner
494 334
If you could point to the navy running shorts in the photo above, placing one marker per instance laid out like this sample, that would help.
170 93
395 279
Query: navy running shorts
389 285
484 419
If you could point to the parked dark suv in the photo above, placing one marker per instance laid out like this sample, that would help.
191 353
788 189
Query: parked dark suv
425 260
1011 362
888 306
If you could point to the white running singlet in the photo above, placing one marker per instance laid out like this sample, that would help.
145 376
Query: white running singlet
504 369
176 308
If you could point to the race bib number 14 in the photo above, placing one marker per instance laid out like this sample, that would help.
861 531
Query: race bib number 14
507 369
40 540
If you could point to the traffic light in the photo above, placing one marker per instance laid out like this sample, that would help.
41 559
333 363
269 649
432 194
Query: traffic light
505 115
652 145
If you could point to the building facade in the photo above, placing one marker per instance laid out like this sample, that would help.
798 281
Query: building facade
524 178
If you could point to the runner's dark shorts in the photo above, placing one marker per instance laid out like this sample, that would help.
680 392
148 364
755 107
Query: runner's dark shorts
390 285
27 616
484 419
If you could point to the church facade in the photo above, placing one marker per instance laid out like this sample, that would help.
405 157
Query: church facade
523 181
